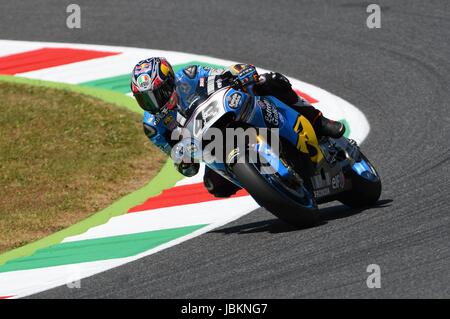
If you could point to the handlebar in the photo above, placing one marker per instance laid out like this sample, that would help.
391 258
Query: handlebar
246 78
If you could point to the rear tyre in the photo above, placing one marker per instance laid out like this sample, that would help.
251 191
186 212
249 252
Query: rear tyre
266 195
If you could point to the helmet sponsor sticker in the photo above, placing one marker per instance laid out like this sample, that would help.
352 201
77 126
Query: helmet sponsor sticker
144 81
165 67
141 68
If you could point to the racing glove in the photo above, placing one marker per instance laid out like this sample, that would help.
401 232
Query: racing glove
183 155
188 169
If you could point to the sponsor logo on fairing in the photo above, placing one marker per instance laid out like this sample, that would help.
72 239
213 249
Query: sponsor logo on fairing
338 181
233 100
270 113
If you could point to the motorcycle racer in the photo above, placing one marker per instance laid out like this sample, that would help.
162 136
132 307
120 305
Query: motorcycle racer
165 96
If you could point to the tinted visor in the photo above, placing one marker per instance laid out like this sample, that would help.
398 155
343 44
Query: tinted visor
154 101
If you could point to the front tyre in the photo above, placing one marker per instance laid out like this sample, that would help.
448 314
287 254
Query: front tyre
217 185
269 197
366 185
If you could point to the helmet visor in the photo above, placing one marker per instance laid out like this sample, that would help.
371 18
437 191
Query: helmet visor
164 91
154 101
147 101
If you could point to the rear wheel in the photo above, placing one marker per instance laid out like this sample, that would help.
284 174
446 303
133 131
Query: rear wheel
366 186
269 193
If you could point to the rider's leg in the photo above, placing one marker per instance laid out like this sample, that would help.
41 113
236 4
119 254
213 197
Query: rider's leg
321 124
279 86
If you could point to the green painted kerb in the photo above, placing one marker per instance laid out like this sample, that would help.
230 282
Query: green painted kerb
347 127
166 178
97 249
120 83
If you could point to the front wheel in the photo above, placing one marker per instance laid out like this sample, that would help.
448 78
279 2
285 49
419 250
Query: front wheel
366 185
268 194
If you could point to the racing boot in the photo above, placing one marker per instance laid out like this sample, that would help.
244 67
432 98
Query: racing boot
330 128
322 125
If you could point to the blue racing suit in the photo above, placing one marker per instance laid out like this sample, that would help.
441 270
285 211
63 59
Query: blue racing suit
189 82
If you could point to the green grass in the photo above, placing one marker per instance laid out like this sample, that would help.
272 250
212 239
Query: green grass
63 157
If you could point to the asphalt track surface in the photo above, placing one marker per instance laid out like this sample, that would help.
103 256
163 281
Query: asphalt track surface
399 76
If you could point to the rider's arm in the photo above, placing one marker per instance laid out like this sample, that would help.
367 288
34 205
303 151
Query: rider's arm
272 83
160 136
278 85
214 79
156 133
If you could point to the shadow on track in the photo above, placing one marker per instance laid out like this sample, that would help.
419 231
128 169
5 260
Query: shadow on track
275 225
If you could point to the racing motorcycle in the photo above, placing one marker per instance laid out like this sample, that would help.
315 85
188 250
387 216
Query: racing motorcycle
291 179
